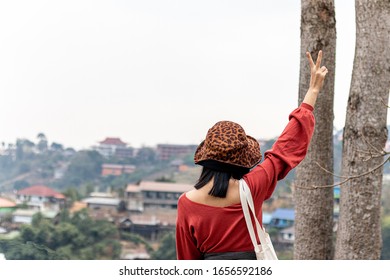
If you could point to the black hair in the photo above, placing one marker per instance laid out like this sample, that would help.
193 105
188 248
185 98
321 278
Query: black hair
221 181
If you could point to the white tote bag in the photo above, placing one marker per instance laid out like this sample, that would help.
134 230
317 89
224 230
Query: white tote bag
265 250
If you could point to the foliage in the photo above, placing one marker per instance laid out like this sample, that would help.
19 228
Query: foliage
145 155
136 239
72 194
21 184
167 248
385 255
76 237
85 166
385 200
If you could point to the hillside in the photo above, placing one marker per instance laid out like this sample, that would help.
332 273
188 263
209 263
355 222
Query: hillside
26 163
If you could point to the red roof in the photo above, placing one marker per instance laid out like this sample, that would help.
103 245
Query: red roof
113 141
41 191
5 203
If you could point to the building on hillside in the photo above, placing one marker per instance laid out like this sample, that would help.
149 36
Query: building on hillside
114 147
6 206
150 224
179 165
171 151
336 194
77 206
286 235
41 197
149 194
102 203
116 169
282 218
25 216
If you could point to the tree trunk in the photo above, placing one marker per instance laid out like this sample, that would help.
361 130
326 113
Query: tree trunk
314 206
359 231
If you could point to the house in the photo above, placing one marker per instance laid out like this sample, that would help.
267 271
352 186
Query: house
150 224
6 206
179 165
336 194
170 151
116 169
41 196
282 218
287 235
25 216
136 254
112 146
148 194
102 203
77 206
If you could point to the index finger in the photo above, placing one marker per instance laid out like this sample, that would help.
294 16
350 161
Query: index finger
319 58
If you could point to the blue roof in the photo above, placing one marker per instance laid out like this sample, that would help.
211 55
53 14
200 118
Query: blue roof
266 218
284 214
336 192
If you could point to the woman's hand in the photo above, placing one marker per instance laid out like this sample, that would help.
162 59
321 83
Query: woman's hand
318 73
317 77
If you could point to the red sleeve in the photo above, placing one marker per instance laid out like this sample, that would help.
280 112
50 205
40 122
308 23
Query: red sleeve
286 153
186 248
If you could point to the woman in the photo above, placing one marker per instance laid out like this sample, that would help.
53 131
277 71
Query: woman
210 222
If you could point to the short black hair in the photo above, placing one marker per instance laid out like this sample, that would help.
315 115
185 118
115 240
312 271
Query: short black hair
221 180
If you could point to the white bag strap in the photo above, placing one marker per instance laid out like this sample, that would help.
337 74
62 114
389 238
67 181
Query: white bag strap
246 199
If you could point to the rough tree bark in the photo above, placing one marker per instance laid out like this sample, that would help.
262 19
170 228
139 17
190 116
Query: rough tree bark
314 207
359 232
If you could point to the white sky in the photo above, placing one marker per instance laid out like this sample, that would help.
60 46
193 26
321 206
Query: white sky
155 71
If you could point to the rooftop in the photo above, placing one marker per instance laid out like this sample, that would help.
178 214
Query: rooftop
40 190
284 214
159 186
102 201
77 206
5 203
25 212
113 141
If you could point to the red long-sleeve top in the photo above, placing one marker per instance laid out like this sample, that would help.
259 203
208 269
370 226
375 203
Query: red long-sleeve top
203 229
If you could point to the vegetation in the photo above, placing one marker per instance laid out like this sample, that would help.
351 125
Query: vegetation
167 248
76 237
385 254
80 237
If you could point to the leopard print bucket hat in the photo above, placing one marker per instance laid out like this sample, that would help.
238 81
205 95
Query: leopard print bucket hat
226 145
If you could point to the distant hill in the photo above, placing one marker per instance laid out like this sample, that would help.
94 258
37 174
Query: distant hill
25 163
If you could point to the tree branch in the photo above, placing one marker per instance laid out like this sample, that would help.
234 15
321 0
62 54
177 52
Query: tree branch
351 177
383 102
346 178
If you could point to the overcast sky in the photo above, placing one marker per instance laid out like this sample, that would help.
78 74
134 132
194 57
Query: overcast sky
155 71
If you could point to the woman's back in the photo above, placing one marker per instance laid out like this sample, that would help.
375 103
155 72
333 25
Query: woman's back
202 196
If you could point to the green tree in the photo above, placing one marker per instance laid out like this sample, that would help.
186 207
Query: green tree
365 135
167 249
72 193
20 184
145 155
85 166
77 237
385 238
42 142
314 206
56 147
